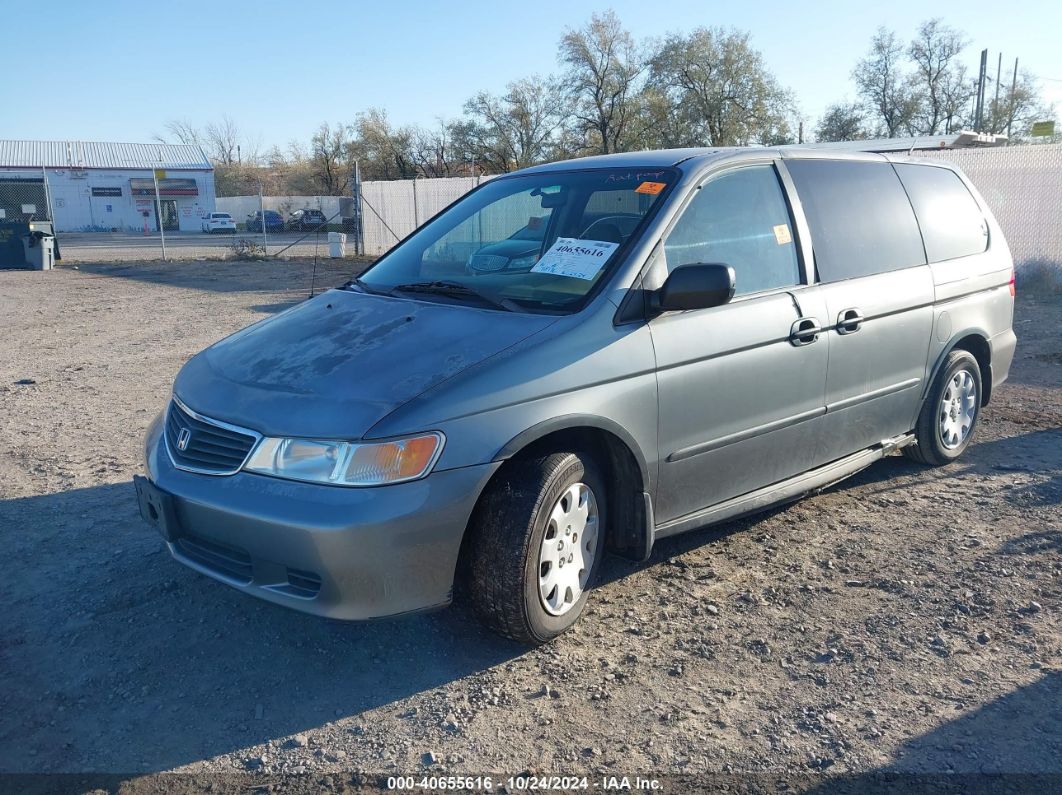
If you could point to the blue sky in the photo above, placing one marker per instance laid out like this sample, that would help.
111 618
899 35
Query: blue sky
121 70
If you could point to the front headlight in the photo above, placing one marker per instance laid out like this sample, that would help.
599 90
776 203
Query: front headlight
347 463
522 263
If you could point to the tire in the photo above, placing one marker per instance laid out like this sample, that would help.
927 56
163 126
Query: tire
949 415
513 556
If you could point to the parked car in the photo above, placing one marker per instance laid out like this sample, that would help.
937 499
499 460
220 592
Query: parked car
776 321
274 221
219 222
306 220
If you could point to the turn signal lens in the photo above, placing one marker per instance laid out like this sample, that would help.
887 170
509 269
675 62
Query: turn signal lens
347 463
391 462
1012 283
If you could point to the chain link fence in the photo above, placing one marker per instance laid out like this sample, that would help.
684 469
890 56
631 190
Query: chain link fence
1023 187
25 219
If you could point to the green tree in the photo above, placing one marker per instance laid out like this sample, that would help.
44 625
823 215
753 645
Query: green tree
717 91
605 69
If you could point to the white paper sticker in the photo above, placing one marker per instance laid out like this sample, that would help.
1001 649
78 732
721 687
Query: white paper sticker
579 259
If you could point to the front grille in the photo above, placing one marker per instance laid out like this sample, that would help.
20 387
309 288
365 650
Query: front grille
207 446
228 561
487 262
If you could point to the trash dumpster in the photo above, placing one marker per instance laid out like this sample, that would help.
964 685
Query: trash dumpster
40 250
337 244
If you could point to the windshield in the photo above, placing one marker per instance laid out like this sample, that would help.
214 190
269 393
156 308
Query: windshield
537 242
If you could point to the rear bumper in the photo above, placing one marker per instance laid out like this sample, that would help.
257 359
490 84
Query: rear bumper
344 553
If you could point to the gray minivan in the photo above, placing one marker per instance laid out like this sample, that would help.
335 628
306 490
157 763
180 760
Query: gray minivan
698 334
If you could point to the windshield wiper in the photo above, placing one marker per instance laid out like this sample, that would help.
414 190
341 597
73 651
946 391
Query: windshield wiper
456 289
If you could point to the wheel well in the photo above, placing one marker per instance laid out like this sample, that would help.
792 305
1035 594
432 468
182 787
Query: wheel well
629 528
978 346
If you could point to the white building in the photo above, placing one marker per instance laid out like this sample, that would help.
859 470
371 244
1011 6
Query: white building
92 186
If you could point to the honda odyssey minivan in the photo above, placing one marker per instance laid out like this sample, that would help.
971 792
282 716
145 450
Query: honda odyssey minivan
688 336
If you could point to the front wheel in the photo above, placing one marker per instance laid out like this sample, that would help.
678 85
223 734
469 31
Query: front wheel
537 545
949 415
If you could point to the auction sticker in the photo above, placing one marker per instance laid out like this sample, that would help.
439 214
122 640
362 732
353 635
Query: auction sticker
578 259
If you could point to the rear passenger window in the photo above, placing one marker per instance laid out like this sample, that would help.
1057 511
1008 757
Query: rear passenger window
861 220
952 223
739 219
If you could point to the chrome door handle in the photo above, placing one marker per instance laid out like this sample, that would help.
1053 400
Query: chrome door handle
848 321
804 331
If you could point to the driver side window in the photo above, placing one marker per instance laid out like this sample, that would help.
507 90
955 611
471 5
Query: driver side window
739 218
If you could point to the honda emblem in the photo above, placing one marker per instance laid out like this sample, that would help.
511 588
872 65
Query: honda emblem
183 438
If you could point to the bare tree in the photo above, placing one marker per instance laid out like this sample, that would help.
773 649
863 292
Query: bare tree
605 70
432 149
843 121
182 131
330 159
882 84
516 129
222 141
719 91
939 83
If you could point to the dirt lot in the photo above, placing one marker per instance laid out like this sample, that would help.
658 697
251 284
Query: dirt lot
905 620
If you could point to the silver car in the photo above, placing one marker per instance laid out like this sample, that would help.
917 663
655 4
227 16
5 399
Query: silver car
756 325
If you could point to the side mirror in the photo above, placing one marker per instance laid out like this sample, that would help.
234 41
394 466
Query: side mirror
695 286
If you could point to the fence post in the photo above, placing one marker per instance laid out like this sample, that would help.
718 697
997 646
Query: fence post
48 198
158 212
416 216
261 209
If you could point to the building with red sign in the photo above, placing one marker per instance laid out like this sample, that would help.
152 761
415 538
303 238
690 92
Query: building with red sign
88 186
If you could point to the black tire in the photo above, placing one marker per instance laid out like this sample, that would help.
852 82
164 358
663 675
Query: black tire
930 447
507 537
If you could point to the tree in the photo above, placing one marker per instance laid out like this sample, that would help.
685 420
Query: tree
517 129
604 73
382 151
330 164
941 89
1017 108
880 80
718 91
843 121
431 150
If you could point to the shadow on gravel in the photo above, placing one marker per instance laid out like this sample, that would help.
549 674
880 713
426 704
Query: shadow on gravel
114 657
1012 744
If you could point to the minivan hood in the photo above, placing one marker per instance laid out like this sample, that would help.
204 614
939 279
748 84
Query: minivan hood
334 366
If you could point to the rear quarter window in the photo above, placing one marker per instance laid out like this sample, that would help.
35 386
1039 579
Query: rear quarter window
952 223
860 217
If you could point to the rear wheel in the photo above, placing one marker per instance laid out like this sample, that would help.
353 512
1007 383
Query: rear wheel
949 415
537 546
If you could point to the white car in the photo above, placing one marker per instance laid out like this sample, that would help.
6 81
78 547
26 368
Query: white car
219 222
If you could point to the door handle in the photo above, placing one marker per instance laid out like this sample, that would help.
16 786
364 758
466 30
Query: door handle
848 321
804 331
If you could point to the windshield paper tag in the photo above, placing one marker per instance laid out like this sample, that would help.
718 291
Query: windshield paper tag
578 259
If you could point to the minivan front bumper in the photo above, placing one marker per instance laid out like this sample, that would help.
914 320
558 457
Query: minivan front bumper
346 553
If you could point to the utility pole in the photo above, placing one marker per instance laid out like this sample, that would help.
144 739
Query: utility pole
800 133
1010 105
981 74
999 76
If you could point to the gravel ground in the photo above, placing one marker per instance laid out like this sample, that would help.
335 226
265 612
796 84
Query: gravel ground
906 620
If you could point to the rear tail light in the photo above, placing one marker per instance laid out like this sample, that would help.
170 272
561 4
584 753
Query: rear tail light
1012 282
